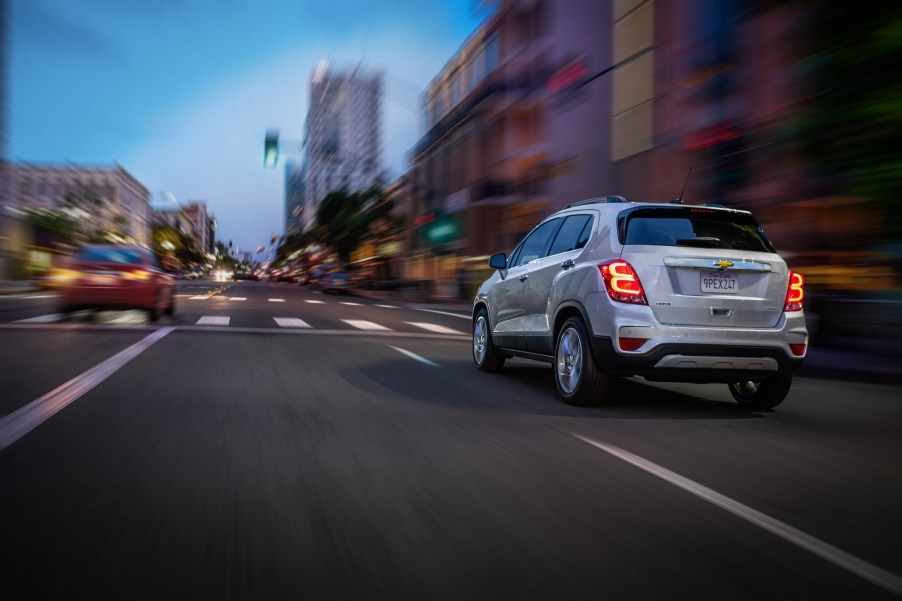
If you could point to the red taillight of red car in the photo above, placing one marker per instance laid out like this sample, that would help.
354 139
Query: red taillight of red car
622 283
796 292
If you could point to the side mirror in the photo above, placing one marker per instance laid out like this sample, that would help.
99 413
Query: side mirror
498 261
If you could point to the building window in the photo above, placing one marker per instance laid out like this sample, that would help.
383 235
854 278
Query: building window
492 54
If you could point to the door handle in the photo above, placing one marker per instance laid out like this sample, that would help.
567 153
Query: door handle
568 264
524 277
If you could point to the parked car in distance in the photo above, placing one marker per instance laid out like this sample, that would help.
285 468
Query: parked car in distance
118 276
336 281
669 292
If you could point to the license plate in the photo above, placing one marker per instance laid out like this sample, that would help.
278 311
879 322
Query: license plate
719 282
102 280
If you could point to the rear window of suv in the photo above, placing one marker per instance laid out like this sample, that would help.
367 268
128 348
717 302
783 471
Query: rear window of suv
111 255
696 227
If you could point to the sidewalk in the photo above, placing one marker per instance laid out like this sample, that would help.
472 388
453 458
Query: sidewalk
17 286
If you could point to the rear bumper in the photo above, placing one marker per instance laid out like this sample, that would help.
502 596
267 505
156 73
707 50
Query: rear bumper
678 362
109 297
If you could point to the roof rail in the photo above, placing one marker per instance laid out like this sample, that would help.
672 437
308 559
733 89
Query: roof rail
714 204
607 199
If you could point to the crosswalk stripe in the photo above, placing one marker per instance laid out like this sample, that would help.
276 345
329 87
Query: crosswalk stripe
202 297
213 320
53 317
276 300
291 322
350 304
314 302
237 298
434 328
387 306
362 324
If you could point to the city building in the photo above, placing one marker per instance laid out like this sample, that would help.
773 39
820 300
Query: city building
295 179
107 200
343 145
503 147
192 220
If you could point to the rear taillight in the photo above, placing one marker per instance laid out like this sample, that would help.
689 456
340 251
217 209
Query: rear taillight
796 292
622 283
138 275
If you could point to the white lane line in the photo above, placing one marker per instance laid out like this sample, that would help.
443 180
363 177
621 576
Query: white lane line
435 328
276 300
414 356
53 317
834 555
387 306
204 297
291 322
237 298
314 302
213 320
19 423
41 296
183 295
468 317
349 304
362 324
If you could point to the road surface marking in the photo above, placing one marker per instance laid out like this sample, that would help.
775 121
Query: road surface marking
361 324
204 297
387 306
315 302
19 423
237 298
41 296
183 295
213 320
414 356
291 322
468 317
834 555
435 328
53 317
349 304
276 300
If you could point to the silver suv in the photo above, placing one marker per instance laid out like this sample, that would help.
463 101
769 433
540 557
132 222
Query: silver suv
670 292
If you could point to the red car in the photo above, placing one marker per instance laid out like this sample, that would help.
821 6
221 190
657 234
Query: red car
118 276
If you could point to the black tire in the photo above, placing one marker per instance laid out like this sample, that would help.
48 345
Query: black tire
169 311
765 393
577 377
485 355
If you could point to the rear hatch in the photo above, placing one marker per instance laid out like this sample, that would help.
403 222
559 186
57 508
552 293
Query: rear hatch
704 266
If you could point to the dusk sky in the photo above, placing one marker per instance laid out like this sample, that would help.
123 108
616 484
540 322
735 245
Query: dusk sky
180 92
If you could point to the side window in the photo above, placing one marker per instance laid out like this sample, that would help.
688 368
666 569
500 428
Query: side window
569 236
534 245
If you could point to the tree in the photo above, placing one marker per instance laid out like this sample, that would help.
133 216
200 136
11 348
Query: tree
343 219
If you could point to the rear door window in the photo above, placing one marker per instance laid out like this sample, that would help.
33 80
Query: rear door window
693 227
572 235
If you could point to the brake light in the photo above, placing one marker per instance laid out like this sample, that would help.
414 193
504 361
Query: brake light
622 283
796 292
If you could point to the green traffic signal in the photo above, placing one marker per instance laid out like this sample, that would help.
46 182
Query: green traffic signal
271 149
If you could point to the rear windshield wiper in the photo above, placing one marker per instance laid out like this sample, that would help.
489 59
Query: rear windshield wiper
701 241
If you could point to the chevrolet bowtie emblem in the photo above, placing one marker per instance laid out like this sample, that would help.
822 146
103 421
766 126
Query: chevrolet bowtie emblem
723 263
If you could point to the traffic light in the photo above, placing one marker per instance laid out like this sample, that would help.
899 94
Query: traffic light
271 149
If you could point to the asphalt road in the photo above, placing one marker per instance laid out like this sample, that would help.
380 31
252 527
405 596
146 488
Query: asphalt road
268 442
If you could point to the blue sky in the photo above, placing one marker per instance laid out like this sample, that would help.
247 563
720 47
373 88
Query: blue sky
180 92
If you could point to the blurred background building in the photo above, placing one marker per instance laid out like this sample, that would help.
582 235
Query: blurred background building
295 183
343 145
190 220
59 205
